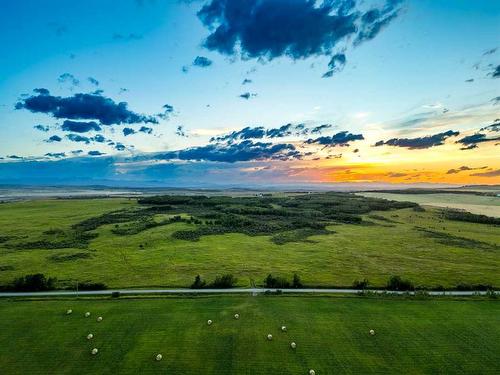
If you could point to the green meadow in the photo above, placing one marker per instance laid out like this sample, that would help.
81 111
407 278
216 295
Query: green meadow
429 336
418 245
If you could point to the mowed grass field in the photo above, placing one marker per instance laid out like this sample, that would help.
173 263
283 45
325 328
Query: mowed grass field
477 204
388 243
332 335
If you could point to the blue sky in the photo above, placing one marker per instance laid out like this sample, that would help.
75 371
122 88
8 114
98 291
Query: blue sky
407 81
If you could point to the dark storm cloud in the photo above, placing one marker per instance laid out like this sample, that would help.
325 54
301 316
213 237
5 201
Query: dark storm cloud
340 139
83 107
464 168
128 131
420 142
54 138
67 77
202 62
267 29
42 128
80 126
231 153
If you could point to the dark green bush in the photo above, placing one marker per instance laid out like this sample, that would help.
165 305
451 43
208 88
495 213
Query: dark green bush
397 283
198 283
224 281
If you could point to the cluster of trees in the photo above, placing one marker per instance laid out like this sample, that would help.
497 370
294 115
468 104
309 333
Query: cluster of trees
37 282
220 282
469 217
282 283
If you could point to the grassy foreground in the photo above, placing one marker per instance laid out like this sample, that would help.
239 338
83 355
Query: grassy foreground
412 336
419 246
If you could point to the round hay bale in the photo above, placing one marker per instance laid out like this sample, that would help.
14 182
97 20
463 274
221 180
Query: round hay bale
94 351
293 345
236 316
159 357
90 336
87 314
283 328
372 332
209 322
69 312
312 372
99 319
269 337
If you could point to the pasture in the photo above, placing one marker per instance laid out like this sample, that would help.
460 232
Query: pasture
427 336
37 237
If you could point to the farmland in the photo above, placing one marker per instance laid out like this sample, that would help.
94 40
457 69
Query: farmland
121 242
332 335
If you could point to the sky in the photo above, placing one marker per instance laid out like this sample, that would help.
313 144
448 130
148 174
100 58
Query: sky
249 92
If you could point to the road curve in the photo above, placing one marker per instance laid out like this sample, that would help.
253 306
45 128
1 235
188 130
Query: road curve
228 291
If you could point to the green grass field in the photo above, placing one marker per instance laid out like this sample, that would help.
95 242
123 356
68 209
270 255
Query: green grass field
419 246
430 336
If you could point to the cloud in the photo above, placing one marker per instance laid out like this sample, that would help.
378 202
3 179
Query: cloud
471 141
93 81
231 153
299 29
463 168
248 95
54 138
340 139
495 127
469 80
494 173
202 62
336 64
42 128
495 73
320 128
95 153
56 155
99 138
119 147
246 81
57 28
180 131
14 157
83 107
420 142
76 152
496 100
167 111
396 174
67 77
80 126
78 138
128 131
490 51
146 130
260 132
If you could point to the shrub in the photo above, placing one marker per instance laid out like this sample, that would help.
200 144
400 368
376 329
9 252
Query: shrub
276 282
33 283
88 285
397 283
115 295
296 282
360 284
224 281
198 283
